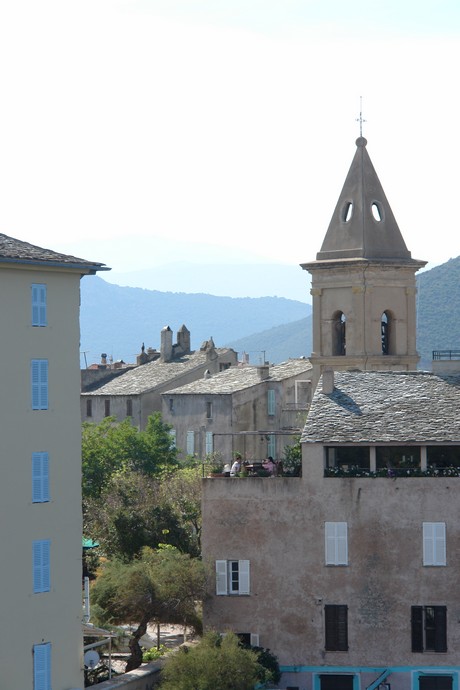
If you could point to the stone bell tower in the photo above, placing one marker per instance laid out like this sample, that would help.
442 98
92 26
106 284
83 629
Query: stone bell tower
363 282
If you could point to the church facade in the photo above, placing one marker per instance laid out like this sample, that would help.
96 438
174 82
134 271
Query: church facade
348 573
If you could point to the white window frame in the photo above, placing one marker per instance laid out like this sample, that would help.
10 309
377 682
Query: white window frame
209 442
40 478
39 310
39 384
190 442
434 543
42 666
336 543
271 402
225 582
41 565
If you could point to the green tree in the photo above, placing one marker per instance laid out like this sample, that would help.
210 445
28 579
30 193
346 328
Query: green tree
292 458
181 492
216 663
161 586
135 510
111 447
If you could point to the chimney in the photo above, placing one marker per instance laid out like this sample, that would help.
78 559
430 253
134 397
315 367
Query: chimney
183 340
328 381
263 372
166 347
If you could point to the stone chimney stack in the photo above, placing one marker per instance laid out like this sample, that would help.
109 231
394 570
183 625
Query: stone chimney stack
263 372
328 382
183 340
166 348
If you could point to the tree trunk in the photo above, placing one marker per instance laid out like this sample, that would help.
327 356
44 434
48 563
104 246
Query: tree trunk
135 660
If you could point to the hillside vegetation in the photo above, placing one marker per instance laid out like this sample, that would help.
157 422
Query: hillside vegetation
117 320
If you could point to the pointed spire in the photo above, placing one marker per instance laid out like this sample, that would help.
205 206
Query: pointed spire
363 224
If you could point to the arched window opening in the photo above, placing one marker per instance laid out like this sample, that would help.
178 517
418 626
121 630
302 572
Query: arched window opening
386 333
347 211
377 211
338 334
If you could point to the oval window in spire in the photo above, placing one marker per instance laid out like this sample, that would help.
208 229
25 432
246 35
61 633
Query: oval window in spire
347 211
377 211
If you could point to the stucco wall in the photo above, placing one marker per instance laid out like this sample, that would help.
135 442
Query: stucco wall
54 616
278 524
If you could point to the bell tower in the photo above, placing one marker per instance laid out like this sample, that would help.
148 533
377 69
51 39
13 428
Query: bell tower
363 282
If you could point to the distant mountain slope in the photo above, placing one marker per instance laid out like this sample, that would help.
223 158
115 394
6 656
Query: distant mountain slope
278 343
117 320
438 310
225 279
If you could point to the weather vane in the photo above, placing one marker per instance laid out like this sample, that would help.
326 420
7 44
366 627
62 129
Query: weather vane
360 118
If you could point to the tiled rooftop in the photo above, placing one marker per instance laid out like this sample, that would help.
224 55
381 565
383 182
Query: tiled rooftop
12 249
149 376
374 407
239 378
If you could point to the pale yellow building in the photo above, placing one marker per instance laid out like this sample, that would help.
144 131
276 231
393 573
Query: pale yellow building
41 644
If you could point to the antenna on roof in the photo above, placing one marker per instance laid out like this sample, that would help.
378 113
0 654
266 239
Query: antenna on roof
360 118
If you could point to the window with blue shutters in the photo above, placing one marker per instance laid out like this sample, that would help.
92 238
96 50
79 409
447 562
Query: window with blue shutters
42 666
209 443
39 316
40 478
39 376
271 449
41 565
190 442
271 402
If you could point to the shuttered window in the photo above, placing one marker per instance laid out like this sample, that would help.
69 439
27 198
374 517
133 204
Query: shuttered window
41 565
271 402
232 577
39 317
209 442
271 447
190 442
40 478
429 628
336 546
39 383
434 543
42 666
172 435
336 617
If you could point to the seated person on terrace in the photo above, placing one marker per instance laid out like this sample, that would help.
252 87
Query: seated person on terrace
269 465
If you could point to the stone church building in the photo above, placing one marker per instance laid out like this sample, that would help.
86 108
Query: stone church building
348 573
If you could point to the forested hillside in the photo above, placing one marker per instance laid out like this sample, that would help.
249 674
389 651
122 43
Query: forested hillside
117 320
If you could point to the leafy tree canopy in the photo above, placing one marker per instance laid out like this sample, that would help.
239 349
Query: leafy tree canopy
216 663
161 586
112 447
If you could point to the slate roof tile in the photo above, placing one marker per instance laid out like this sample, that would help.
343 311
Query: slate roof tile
385 407
238 378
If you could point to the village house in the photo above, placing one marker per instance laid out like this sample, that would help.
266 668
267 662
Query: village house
136 392
251 410
348 572
41 640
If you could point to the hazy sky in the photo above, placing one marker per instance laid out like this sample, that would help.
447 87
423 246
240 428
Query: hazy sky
139 132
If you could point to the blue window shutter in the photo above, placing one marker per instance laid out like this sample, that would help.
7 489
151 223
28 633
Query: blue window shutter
39 316
41 565
42 666
190 442
271 402
209 442
40 478
272 445
39 376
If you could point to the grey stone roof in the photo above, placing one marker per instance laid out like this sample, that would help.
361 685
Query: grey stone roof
376 407
16 251
151 375
240 377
